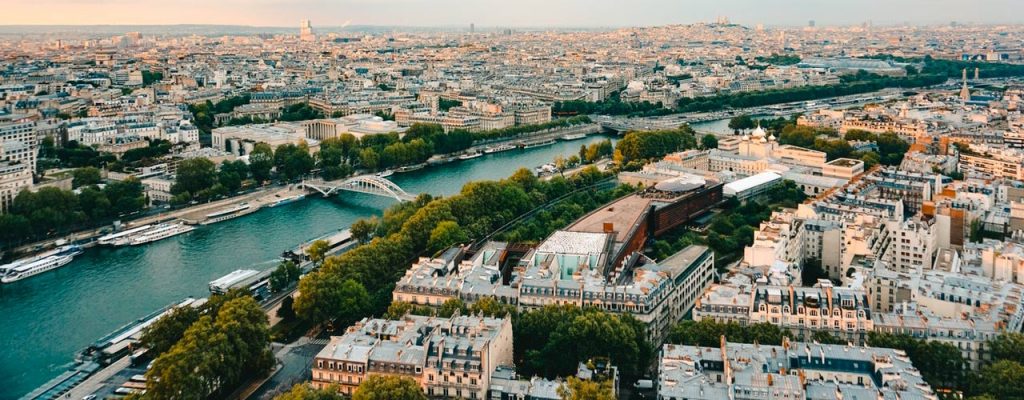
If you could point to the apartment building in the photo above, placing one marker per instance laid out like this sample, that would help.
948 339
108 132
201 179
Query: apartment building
449 357
566 270
14 177
993 163
793 371
19 143
841 311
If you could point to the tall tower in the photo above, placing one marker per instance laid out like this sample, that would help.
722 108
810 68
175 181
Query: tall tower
965 93
472 28
306 31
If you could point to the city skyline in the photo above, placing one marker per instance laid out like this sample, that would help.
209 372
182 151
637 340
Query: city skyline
493 13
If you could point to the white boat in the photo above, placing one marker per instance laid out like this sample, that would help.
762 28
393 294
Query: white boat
287 200
115 238
470 156
499 149
385 173
410 168
22 269
162 231
574 136
539 144
225 215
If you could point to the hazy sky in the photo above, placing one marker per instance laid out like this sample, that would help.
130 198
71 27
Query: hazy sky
505 12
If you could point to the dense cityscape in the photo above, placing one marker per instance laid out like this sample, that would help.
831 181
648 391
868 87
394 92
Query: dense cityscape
708 210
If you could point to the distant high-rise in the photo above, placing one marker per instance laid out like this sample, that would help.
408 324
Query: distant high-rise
472 28
965 93
810 24
306 31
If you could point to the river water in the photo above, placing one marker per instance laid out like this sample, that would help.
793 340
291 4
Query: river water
46 319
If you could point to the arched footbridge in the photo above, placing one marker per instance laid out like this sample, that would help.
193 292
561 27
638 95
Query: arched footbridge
365 184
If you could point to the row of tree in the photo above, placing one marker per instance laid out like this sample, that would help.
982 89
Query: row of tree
638 147
375 387
71 155
855 84
51 211
862 84
300 112
518 130
612 106
208 351
891 147
199 179
410 229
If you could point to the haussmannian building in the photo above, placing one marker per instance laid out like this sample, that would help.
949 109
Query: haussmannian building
449 357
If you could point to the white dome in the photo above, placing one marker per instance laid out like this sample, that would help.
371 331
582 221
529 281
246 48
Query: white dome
759 132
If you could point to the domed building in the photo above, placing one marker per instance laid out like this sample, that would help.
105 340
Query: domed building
759 144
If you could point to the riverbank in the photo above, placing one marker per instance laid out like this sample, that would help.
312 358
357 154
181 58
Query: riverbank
50 317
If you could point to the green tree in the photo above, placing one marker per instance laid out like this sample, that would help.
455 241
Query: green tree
85 176
1008 346
645 145
741 122
709 141
286 311
826 338
578 389
551 341
189 369
450 307
363 229
305 391
194 175
293 161
870 159
490 306
125 197
318 250
388 387
1000 380
261 161
369 159
326 296
445 234
232 173
284 275
169 329
891 148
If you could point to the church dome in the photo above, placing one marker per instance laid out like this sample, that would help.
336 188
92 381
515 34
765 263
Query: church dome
759 132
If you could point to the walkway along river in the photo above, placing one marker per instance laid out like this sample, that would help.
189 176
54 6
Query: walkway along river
46 319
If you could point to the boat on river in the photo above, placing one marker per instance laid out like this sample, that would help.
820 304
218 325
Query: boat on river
499 149
410 168
160 232
36 265
224 215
